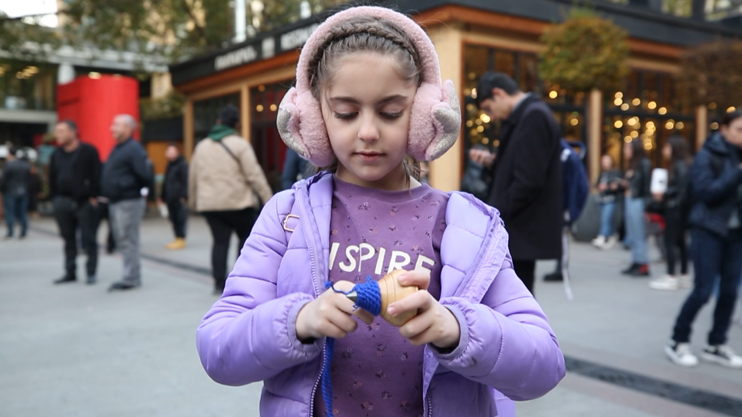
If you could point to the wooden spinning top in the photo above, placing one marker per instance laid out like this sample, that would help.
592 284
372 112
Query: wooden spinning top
392 291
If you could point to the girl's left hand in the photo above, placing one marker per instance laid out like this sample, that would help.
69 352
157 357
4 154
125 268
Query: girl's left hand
434 323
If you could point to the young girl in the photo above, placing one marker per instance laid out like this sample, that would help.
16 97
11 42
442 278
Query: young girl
368 97
674 201
636 182
609 187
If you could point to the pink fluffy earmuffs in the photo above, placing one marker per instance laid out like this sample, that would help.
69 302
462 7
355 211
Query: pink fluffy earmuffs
435 117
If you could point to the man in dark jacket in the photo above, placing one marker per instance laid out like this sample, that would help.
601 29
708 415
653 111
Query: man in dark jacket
126 173
175 195
294 168
74 184
526 172
716 239
16 178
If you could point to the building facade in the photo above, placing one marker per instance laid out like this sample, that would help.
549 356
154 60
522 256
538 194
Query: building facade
471 37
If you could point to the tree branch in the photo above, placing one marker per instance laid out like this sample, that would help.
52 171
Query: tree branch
198 27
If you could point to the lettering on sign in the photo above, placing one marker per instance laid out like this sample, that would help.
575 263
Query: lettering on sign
297 37
269 48
235 58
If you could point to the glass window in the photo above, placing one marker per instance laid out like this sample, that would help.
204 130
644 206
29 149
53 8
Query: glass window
25 86
528 69
648 108
267 143
505 63
205 113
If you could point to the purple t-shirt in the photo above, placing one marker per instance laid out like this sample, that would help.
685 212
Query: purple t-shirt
375 371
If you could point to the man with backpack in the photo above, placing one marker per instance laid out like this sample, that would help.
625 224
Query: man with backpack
527 173
575 188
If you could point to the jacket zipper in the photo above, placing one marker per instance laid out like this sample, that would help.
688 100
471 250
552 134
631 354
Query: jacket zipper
430 405
313 266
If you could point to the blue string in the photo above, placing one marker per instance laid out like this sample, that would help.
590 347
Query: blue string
369 299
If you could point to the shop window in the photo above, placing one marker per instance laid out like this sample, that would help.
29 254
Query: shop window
267 143
206 112
648 108
25 86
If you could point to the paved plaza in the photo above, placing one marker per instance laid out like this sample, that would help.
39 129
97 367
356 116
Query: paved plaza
77 350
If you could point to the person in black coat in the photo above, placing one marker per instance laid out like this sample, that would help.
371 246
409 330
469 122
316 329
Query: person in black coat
175 195
294 167
674 202
526 172
14 184
74 184
716 244
636 184
127 177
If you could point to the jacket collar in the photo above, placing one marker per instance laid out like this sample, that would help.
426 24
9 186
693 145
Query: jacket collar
718 145
520 108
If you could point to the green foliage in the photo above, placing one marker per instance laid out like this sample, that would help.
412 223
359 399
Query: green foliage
710 73
584 52
16 34
278 13
162 108
171 29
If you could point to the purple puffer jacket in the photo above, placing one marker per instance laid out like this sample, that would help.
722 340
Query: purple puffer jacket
507 349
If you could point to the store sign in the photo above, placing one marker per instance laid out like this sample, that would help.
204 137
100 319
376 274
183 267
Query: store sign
296 38
235 58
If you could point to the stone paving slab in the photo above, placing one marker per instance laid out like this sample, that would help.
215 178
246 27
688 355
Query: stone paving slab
76 350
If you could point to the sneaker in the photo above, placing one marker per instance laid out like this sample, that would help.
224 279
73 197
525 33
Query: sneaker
610 242
686 281
723 355
91 280
630 269
554 277
680 354
666 283
599 242
178 243
641 271
65 279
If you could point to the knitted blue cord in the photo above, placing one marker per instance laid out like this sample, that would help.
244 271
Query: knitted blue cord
369 299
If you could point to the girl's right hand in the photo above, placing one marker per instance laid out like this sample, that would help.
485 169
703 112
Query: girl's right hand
330 315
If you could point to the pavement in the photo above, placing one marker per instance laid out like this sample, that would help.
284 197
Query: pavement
77 350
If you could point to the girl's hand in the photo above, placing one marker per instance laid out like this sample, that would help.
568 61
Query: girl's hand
330 315
434 323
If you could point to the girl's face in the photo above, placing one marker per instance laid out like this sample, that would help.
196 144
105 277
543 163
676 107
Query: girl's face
628 151
733 132
606 162
366 108
667 152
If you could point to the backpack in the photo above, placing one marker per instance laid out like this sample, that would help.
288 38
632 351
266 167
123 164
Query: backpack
575 182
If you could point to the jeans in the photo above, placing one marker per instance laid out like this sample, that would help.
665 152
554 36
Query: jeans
71 215
16 205
636 230
178 215
126 218
222 225
675 243
712 256
607 210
